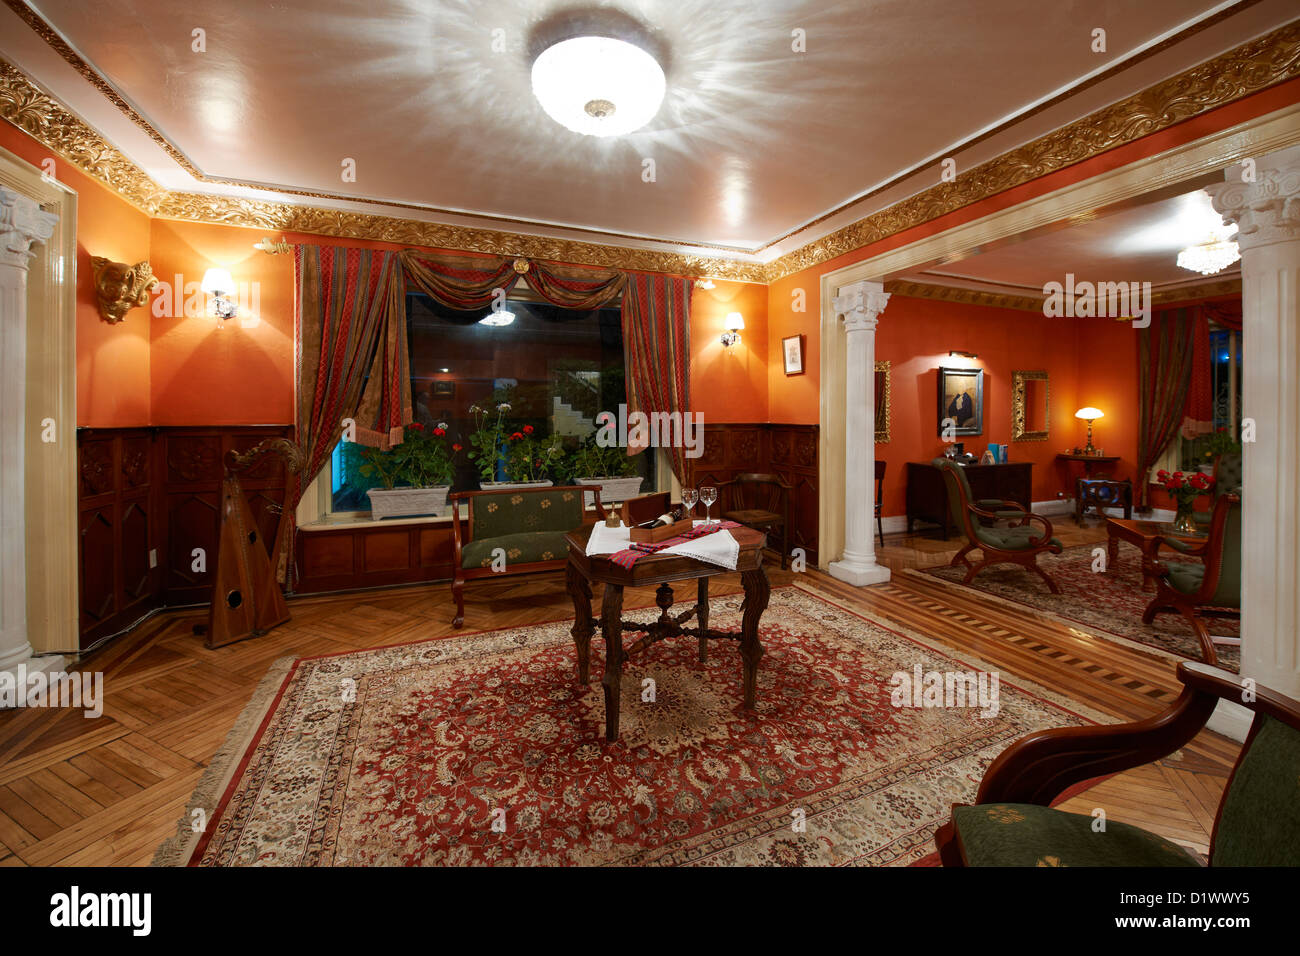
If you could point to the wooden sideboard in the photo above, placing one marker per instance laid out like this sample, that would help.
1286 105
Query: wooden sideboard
927 495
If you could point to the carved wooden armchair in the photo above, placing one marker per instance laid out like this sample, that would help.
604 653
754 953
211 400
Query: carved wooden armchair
1212 588
1019 543
761 502
1258 821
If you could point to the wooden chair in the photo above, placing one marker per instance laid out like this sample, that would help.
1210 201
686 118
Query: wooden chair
1229 478
527 525
761 502
880 491
1018 544
1211 588
1258 820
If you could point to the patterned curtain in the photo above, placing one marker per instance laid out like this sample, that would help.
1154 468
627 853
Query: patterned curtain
459 281
1165 350
1198 416
657 349
571 287
351 361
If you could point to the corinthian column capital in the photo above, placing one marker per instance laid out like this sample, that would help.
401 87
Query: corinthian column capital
22 223
1267 209
860 303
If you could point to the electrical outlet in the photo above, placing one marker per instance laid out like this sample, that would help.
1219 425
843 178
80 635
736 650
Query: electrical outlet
153 557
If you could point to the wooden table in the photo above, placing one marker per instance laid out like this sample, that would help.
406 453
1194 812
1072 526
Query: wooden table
661 569
927 495
1091 461
1144 535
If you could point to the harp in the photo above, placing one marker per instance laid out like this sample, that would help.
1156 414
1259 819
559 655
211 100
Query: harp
246 600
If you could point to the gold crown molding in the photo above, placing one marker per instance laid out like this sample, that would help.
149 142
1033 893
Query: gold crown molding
1206 290
51 124
1249 68
946 293
56 42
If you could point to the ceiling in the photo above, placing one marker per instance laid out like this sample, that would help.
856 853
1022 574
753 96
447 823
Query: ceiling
754 142
1136 244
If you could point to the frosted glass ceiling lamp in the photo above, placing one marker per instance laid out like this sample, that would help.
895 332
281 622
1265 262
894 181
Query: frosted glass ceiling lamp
1209 257
598 86
497 319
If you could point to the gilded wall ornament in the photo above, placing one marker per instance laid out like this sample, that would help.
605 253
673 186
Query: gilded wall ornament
119 288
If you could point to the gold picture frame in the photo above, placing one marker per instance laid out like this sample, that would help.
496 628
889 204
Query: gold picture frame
1023 412
883 389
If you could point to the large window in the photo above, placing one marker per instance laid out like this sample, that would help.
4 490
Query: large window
1225 384
557 368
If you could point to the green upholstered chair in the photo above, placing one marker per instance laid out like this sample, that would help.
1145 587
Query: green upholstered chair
984 523
1211 587
1258 823
1229 478
527 525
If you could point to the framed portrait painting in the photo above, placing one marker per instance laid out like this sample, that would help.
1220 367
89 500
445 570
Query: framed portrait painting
961 401
792 354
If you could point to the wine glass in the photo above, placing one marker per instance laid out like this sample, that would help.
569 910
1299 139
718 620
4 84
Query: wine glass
689 497
708 495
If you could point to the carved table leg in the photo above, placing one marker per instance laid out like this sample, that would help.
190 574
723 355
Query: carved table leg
611 613
702 616
757 590
583 624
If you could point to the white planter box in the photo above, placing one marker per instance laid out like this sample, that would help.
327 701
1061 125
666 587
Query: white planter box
394 502
611 489
506 485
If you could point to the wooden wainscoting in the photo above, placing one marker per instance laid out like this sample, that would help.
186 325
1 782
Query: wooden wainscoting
787 450
147 498
370 556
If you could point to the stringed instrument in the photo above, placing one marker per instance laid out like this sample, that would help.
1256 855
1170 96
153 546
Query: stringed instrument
246 599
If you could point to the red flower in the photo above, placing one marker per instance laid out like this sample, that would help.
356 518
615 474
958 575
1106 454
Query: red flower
417 426
528 429
456 448
516 437
1162 474
440 432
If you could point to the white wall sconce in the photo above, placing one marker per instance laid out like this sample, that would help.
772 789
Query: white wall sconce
735 323
219 284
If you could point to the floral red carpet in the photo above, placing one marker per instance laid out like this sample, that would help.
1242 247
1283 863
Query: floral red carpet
1108 604
484 749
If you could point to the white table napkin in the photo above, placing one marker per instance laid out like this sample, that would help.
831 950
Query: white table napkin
720 548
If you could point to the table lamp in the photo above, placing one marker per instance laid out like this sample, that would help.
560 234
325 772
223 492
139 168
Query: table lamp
1089 415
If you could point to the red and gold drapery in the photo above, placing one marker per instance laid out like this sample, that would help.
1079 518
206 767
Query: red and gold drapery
459 281
1165 355
657 349
351 358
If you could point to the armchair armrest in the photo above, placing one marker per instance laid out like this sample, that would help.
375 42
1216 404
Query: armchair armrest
1005 504
1195 550
1025 518
1038 768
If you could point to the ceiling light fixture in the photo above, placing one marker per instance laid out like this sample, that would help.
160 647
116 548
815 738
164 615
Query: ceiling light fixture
598 85
497 319
1209 257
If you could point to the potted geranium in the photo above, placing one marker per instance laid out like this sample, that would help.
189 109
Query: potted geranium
611 468
1219 443
487 441
1185 489
529 459
424 465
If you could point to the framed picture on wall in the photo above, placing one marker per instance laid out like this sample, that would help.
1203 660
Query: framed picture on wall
441 389
961 401
792 354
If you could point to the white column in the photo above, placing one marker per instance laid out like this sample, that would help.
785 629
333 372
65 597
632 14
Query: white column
22 223
1267 212
860 304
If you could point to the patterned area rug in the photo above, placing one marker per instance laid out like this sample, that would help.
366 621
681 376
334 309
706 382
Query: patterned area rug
1108 604
484 749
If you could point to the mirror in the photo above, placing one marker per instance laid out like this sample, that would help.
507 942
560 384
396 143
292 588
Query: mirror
1029 421
882 401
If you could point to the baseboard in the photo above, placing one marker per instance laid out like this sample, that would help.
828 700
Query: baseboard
897 524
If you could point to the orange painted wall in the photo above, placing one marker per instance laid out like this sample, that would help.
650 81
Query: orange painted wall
729 384
112 360
1088 361
239 374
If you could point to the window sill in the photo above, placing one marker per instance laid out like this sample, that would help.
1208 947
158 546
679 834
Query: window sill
340 522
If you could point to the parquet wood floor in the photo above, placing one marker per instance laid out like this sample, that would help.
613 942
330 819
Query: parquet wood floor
107 791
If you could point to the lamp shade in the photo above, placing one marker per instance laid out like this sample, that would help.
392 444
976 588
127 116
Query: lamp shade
217 282
1089 414
735 321
598 86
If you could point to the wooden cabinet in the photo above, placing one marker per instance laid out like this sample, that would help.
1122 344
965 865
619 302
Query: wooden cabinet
927 495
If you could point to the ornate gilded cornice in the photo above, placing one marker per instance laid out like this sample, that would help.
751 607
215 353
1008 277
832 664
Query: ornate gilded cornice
1206 290
947 293
1247 69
